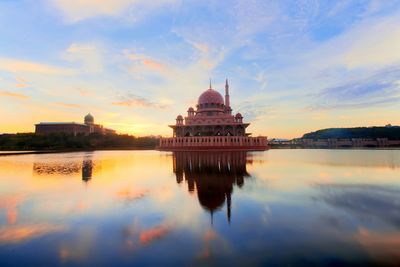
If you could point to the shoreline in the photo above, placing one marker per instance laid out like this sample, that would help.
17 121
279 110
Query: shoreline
22 152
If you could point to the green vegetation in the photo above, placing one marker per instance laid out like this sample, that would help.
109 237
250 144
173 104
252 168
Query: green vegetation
31 141
391 133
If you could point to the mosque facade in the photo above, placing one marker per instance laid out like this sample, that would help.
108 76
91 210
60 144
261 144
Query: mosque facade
75 128
212 126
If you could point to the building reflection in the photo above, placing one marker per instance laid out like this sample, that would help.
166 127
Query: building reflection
56 168
212 175
86 167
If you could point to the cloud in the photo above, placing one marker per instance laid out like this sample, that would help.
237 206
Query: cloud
21 233
13 94
252 111
76 10
381 245
130 100
83 92
339 7
153 64
88 55
380 88
67 105
21 85
76 250
378 49
142 63
379 202
10 204
23 66
152 234
371 43
262 79
253 16
21 82
127 195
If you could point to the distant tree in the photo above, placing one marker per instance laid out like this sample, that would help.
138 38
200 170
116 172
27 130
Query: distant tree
31 141
391 133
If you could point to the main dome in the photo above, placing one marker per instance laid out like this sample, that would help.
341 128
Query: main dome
210 97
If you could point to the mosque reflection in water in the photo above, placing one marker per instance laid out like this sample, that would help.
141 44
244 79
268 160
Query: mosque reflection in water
85 167
212 175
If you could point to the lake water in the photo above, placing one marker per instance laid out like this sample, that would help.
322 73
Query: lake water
132 208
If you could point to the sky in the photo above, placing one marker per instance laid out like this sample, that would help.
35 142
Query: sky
294 66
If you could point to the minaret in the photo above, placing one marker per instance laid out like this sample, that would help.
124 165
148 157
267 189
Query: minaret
227 104
210 84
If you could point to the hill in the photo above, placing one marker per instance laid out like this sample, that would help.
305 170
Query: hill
391 133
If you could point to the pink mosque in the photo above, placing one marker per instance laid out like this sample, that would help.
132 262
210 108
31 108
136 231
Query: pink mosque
212 127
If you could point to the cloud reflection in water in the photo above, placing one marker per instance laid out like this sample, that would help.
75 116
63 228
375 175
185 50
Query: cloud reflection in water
362 200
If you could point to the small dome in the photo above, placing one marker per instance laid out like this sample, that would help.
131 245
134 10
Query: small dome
179 117
238 115
89 118
210 97
190 109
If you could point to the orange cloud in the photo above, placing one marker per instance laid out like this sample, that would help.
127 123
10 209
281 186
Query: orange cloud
153 64
21 85
78 249
134 100
67 105
17 234
10 204
12 215
382 246
148 236
143 61
83 92
208 237
21 82
16 65
129 195
12 94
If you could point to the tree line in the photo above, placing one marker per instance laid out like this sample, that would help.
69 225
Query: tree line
391 133
61 141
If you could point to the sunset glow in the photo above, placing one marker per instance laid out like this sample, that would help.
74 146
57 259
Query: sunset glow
293 66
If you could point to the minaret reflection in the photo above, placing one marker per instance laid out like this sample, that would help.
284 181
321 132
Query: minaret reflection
212 175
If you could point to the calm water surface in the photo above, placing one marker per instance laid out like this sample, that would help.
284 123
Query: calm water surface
130 208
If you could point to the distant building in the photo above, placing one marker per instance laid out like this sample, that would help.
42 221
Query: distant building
212 126
74 128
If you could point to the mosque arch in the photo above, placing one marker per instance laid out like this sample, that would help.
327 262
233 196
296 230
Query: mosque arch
188 131
208 130
240 130
228 131
197 131
218 130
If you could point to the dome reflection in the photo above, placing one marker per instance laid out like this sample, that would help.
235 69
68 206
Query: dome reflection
212 175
